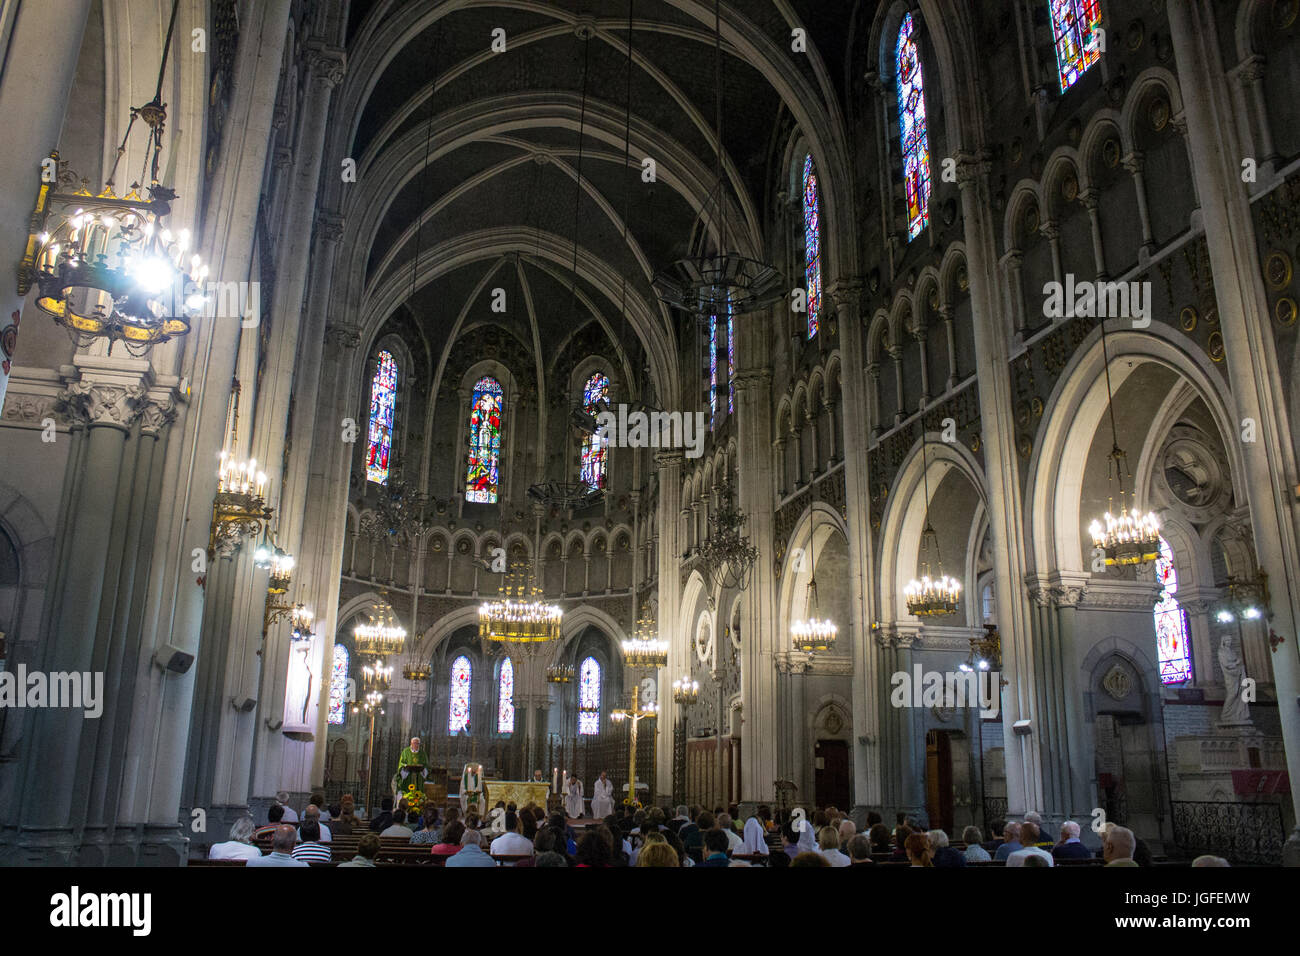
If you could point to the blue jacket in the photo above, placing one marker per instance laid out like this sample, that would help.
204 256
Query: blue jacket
717 859
470 855
1071 851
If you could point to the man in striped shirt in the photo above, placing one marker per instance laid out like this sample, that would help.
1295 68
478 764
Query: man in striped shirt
311 850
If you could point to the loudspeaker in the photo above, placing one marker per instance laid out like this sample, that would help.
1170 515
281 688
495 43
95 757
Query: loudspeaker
173 659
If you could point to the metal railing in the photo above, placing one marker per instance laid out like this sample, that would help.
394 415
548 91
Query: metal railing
1249 833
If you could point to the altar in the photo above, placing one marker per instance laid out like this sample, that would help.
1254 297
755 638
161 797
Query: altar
518 792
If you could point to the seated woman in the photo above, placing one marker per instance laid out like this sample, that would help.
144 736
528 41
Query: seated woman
918 849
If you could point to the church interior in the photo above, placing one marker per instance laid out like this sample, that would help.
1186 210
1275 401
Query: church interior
859 409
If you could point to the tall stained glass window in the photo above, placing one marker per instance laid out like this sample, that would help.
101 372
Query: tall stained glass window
506 698
458 717
383 398
483 477
589 697
339 685
713 370
915 141
594 450
1075 26
1173 642
731 360
812 243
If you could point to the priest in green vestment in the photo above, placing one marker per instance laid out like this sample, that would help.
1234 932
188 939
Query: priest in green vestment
412 767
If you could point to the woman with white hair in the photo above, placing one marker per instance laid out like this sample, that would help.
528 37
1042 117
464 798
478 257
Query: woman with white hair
240 845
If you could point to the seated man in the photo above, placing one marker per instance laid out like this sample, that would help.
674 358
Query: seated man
281 849
944 855
274 817
471 852
1070 847
399 827
311 849
1011 837
385 818
313 813
1119 847
367 850
240 845
860 851
716 849
512 842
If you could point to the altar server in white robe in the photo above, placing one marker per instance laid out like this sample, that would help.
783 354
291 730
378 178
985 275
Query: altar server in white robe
602 798
573 797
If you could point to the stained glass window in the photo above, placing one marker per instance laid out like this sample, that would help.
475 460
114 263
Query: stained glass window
482 478
459 715
589 697
915 141
594 450
339 685
1172 638
713 370
383 398
731 360
812 240
506 698
1075 26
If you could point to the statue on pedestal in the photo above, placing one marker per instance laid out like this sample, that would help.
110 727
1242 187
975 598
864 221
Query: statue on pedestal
1236 712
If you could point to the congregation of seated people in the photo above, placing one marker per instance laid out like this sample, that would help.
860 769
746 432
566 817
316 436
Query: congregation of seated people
531 836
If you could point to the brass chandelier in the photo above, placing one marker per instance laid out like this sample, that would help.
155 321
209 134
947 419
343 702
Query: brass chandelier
519 615
931 597
985 652
813 633
108 266
560 674
1132 537
382 635
727 554
645 649
686 691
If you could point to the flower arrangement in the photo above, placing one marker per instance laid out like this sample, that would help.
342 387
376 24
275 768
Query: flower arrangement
632 804
414 799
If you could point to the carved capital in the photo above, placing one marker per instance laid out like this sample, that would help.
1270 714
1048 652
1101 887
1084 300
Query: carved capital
845 293
972 167
1251 69
92 403
283 158
156 413
1134 161
343 336
330 225
1068 595
326 65
752 378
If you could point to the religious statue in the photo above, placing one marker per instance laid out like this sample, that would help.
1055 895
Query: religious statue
1236 712
602 797
573 797
412 768
472 794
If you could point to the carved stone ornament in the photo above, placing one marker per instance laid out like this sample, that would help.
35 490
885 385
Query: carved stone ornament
1117 682
98 404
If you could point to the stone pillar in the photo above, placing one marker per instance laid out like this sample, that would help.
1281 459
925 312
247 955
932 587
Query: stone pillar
857 395
40 62
670 585
1250 77
1251 358
950 332
1135 162
997 424
911 742
103 401
1089 198
757 493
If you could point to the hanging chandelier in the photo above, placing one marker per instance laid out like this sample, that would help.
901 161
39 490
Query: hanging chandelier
377 675
813 633
686 691
107 266
416 671
645 649
930 596
724 282
985 652
727 554
565 495
1132 537
519 616
560 674
301 621
239 506
382 635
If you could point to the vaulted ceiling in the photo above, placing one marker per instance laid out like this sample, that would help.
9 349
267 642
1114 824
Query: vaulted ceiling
472 156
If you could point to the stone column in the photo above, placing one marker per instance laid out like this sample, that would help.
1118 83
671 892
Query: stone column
1135 162
1249 346
103 401
856 396
950 332
1089 198
919 334
1012 263
1250 78
1024 788
40 62
757 493
669 464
